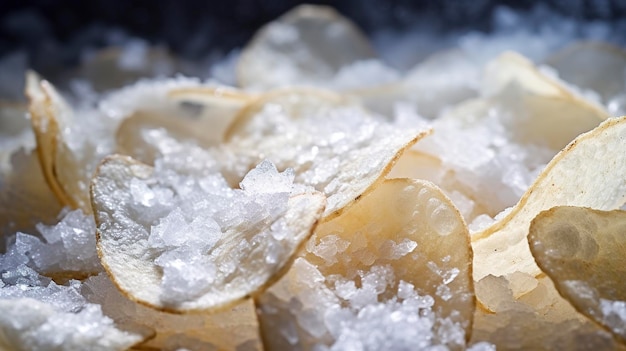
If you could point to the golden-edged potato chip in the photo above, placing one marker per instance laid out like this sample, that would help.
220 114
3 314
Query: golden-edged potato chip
393 271
180 242
234 328
50 114
307 45
583 251
607 76
333 145
588 172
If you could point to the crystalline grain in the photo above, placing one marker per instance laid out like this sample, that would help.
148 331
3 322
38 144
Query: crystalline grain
228 330
378 278
56 317
204 245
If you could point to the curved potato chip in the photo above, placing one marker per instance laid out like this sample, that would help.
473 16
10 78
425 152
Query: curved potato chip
25 197
583 251
49 115
200 114
181 243
226 330
419 165
571 179
307 45
393 271
213 110
68 162
543 111
333 145
607 77
28 324
520 312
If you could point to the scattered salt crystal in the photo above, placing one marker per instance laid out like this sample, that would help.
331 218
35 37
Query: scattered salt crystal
50 316
392 251
328 248
614 314
265 178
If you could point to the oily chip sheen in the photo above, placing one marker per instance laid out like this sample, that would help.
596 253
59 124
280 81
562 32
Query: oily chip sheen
583 251
180 243
399 255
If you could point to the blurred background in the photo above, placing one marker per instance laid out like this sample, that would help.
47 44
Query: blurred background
52 31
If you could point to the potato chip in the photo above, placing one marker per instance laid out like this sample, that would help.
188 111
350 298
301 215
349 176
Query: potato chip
572 179
212 110
196 114
332 144
307 45
25 197
230 329
419 165
582 251
393 271
69 157
607 77
533 318
49 115
182 242
543 111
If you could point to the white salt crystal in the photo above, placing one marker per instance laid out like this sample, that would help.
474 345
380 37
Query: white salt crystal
186 274
69 246
392 251
53 317
328 248
265 178
614 314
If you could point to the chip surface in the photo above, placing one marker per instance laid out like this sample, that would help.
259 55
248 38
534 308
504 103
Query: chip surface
393 271
583 251
180 242
333 144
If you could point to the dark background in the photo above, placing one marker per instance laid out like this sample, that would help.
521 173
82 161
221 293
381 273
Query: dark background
193 28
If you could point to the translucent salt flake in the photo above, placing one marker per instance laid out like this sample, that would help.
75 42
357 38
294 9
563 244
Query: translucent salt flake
56 317
68 249
203 247
393 299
